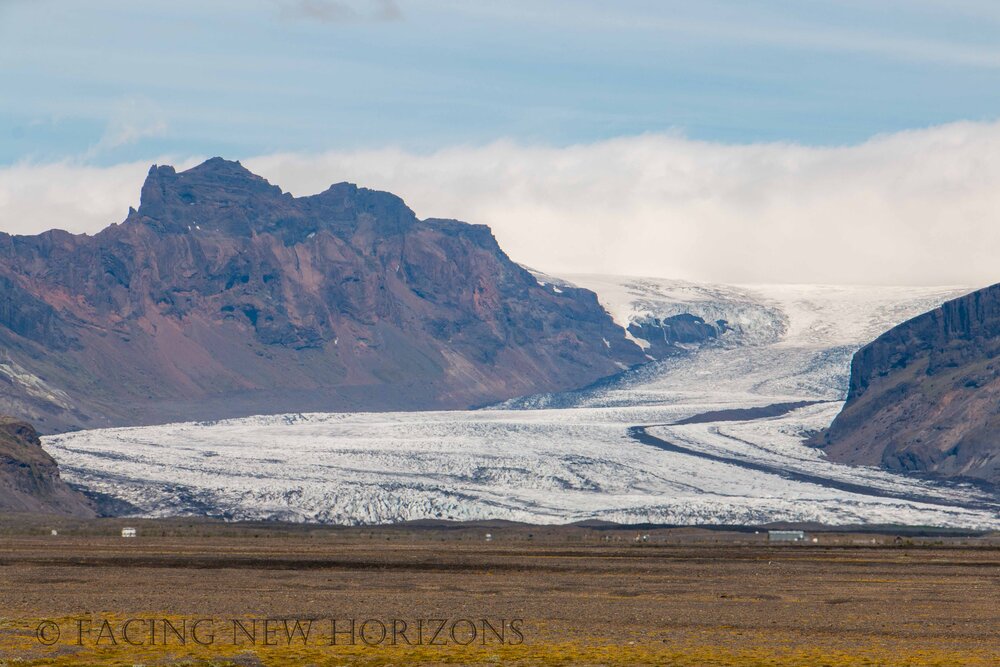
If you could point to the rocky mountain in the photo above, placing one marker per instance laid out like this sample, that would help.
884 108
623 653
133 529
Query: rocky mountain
29 478
925 395
224 296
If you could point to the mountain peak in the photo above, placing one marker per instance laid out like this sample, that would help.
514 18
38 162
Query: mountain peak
221 166
179 200
215 172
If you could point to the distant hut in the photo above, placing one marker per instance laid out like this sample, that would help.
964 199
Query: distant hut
128 532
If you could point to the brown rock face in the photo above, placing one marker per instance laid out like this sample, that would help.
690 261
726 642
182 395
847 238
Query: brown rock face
29 478
926 395
223 296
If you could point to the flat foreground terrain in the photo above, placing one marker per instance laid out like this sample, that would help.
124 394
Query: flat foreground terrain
527 596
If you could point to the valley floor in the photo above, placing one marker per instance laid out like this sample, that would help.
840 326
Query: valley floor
584 596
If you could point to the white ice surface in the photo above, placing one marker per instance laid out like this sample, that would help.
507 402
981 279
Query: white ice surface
572 462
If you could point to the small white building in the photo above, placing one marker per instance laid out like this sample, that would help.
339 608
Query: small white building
128 532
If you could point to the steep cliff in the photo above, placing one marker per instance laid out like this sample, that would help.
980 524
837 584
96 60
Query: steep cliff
223 296
29 478
925 395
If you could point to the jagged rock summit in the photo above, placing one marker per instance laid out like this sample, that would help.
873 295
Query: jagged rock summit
224 296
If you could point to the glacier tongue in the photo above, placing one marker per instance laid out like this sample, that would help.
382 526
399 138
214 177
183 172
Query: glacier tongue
575 461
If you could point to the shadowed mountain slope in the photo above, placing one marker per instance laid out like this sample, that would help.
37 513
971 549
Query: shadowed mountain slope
925 395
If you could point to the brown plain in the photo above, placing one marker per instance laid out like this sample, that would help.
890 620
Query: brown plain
595 595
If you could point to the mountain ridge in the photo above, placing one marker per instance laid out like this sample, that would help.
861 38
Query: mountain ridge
223 296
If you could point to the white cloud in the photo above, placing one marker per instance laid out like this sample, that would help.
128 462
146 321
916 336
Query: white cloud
916 207
34 198
70 196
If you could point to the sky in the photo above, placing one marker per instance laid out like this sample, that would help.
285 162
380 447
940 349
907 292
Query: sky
844 141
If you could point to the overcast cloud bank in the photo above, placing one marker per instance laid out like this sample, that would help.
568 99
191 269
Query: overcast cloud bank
916 207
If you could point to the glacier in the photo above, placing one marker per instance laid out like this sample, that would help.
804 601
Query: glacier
558 458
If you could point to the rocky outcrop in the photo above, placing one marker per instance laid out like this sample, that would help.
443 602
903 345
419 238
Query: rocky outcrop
925 396
669 336
29 477
224 296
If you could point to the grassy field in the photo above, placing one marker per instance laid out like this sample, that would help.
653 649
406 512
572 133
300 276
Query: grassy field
234 594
